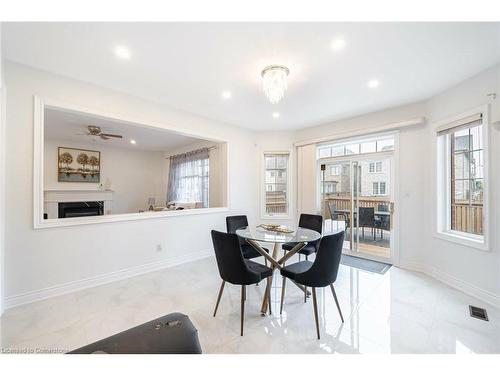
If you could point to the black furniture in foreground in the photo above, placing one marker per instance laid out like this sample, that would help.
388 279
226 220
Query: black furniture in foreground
323 272
234 269
313 222
171 334
233 223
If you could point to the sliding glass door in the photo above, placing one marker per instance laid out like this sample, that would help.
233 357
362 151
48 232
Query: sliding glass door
357 196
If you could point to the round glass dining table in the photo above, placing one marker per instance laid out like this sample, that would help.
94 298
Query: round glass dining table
299 237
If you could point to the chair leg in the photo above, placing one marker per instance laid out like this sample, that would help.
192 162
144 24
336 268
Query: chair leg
243 298
336 302
219 296
265 262
306 257
315 305
305 294
270 284
282 294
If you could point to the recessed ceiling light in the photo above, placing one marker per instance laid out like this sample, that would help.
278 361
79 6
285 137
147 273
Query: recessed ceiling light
373 83
133 141
226 94
338 44
276 114
122 52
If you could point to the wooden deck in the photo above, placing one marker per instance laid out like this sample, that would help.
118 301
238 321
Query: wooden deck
379 248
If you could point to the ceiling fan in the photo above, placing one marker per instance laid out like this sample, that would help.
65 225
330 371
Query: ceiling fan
97 132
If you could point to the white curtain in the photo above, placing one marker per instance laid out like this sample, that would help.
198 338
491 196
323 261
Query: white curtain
188 177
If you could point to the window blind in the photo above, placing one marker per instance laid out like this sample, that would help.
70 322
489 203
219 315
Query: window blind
464 123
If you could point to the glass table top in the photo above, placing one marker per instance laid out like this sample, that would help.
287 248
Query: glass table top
260 234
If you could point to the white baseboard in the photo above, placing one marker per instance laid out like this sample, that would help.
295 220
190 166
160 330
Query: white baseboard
73 286
454 282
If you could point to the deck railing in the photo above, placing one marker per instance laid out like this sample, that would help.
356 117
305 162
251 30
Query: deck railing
464 217
344 203
467 218
276 202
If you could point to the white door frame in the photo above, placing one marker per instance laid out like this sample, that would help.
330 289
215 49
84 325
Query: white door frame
395 197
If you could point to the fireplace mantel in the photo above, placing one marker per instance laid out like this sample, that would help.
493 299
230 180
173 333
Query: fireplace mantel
53 197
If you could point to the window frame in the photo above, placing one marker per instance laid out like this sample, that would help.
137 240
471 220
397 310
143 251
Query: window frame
263 213
378 190
337 169
205 168
443 188
375 165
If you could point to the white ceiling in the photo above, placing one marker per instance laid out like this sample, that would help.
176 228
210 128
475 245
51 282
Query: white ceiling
188 65
72 127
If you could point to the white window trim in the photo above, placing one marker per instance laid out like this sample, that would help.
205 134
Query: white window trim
443 190
262 183
379 190
375 167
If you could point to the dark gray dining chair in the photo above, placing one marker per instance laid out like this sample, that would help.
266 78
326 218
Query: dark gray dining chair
383 222
367 219
234 269
318 274
233 223
313 222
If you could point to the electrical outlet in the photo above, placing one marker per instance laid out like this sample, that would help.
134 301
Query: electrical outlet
159 248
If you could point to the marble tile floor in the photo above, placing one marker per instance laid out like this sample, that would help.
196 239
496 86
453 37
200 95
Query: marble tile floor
399 312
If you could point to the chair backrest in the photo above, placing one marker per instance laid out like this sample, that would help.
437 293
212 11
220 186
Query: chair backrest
232 266
332 207
325 268
366 216
313 222
236 222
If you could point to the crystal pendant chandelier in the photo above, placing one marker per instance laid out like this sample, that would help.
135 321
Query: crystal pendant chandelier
274 82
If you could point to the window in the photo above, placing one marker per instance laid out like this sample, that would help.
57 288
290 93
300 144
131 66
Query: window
188 177
372 145
335 170
276 183
330 187
379 188
462 180
375 167
385 145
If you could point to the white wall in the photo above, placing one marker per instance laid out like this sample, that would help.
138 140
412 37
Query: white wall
471 269
134 175
47 258
48 261
409 172
2 174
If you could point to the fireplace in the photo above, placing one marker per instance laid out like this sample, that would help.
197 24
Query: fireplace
77 209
